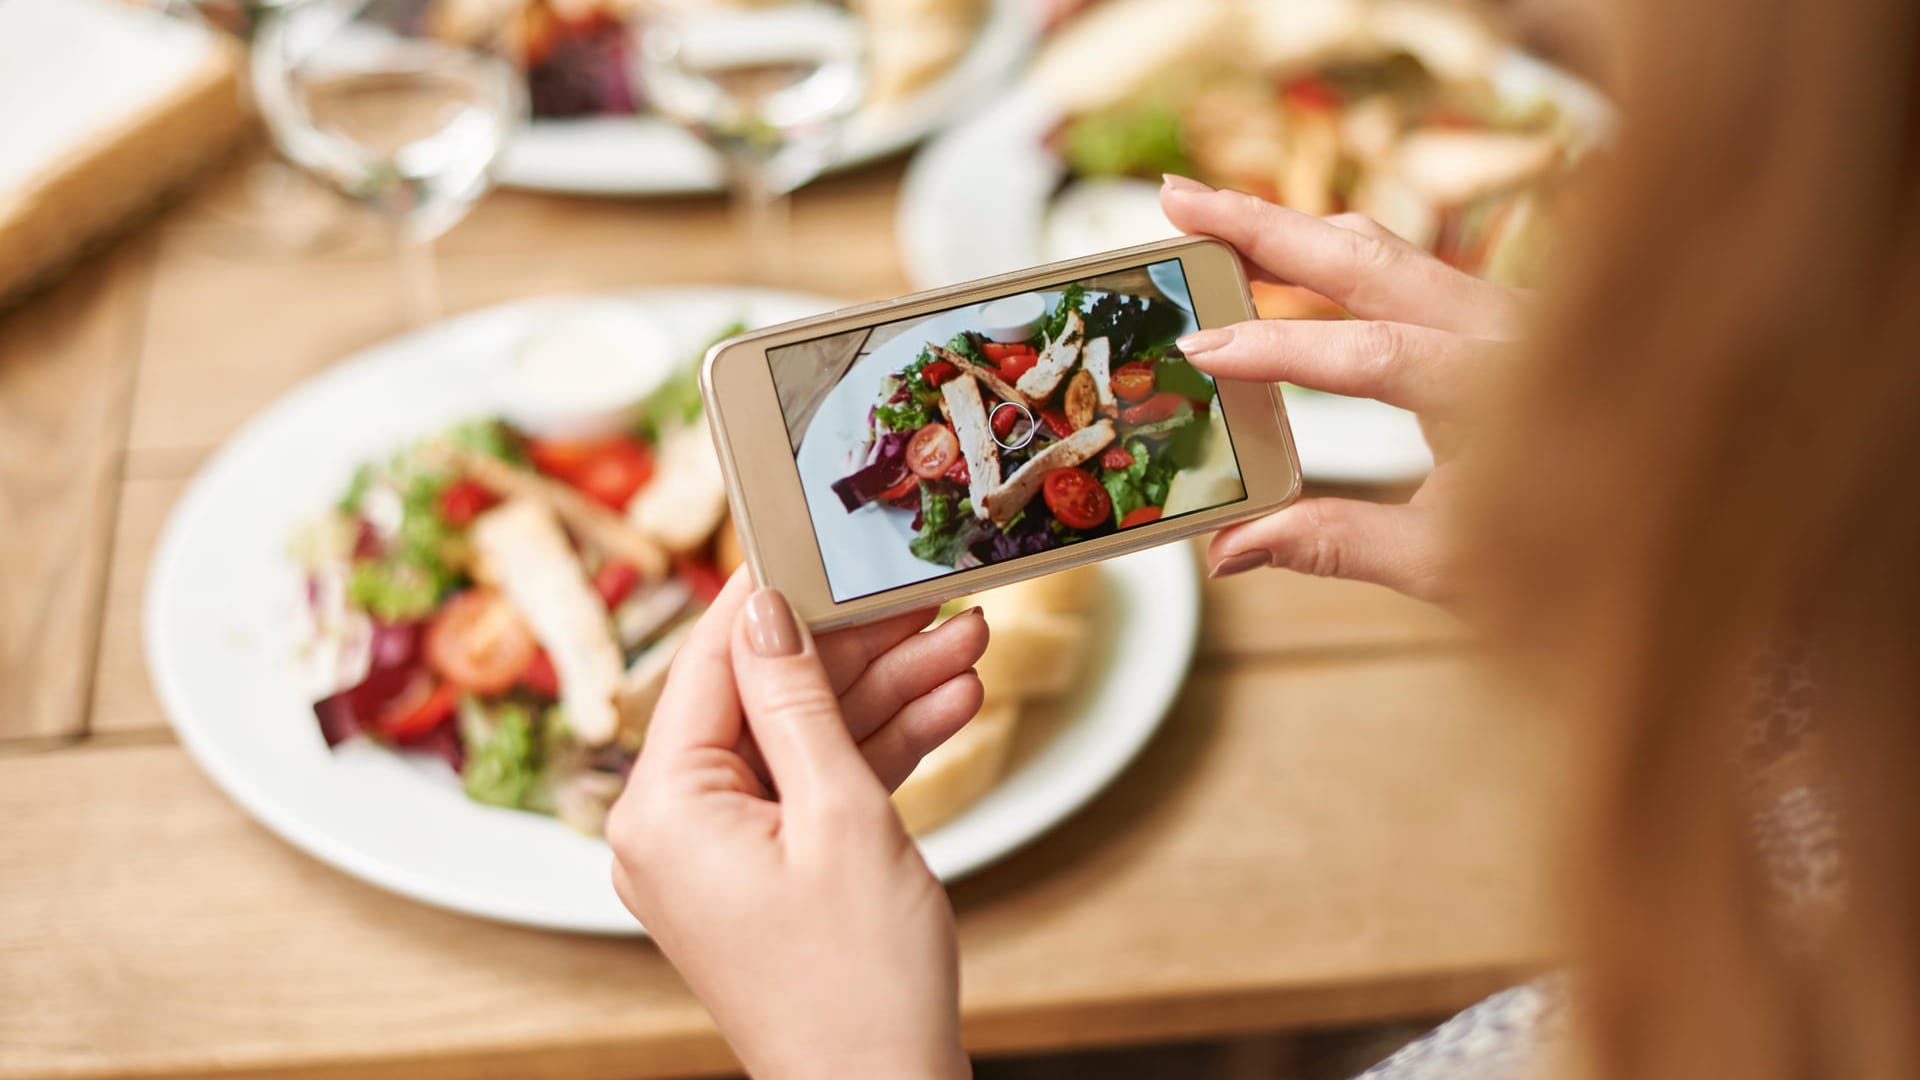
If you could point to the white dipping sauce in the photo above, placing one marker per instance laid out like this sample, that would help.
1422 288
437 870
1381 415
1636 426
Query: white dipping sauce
1013 319
582 374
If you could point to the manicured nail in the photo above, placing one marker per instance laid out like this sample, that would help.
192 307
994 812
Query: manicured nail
974 610
1176 182
771 629
1202 342
1241 563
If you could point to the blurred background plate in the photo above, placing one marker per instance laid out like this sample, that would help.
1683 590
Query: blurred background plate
220 636
646 155
986 197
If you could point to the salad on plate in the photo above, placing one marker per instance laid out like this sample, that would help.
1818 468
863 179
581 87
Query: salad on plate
509 600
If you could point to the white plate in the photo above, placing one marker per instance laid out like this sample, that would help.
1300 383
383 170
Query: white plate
975 203
866 550
646 155
219 638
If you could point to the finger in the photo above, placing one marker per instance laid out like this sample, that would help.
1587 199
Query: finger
699 707
847 653
1414 367
895 748
1370 228
792 710
1373 278
1396 546
913 668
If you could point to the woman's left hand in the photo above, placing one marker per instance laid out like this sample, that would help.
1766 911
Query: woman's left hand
756 840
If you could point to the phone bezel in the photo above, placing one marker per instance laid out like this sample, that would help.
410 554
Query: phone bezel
770 509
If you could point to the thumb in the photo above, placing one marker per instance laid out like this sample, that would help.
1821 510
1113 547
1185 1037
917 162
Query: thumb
792 710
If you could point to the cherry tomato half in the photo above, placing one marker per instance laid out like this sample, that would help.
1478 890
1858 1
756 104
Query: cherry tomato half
932 451
540 677
479 643
464 500
1113 457
615 581
1056 421
960 474
939 373
1013 360
1145 515
907 486
1153 410
423 705
1004 421
609 471
1133 382
1076 498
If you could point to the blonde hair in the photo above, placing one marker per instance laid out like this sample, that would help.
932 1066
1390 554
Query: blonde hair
1718 443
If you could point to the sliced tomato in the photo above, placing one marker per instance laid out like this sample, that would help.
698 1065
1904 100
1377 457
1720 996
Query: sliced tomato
1114 457
1012 360
1133 382
1076 498
1145 515
423 705
1056 421
932 451
1311 92
939 373
960 474
701 577
609 471
464 500
615 581
1153 410
540 677
616 474
479 643
1004 421
901 490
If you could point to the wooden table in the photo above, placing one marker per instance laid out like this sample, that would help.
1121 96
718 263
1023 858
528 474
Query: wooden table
1339 823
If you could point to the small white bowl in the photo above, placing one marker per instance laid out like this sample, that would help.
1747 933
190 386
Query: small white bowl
582 374
1013 319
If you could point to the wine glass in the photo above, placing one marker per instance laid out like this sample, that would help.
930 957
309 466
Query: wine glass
769 84
367 97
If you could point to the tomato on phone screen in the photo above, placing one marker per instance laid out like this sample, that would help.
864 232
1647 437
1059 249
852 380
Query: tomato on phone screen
1076 498
932 451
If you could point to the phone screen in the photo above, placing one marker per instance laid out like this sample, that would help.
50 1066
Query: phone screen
1002 429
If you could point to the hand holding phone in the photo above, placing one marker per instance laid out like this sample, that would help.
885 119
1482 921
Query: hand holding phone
894 456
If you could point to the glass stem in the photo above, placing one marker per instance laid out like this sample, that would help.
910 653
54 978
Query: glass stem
763 213
419 280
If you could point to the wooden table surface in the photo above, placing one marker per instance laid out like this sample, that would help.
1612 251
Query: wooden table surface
1339 822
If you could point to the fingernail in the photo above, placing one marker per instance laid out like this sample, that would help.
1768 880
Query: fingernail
1176 182
974 610
1241 563
1202 342
771 629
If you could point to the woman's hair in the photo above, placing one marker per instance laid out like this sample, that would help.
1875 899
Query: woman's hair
1714 457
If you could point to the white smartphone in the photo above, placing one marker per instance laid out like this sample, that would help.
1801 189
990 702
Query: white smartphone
891 457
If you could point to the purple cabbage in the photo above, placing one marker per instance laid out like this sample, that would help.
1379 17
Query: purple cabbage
393 657
886 466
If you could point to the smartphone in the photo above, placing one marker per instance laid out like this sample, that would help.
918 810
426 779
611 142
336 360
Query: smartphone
894 456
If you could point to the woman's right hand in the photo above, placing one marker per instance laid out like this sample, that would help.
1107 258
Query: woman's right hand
1423 335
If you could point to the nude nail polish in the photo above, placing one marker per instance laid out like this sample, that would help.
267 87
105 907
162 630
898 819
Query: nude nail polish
771 628
1241 563
1202 342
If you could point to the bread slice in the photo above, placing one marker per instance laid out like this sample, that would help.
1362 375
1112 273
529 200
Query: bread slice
960 771
109 108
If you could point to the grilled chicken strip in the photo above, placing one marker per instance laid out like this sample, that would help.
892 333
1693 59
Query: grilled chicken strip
687 498
987 377
523 544
1080 399
1056 360
1020 488
1097 358
971 424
